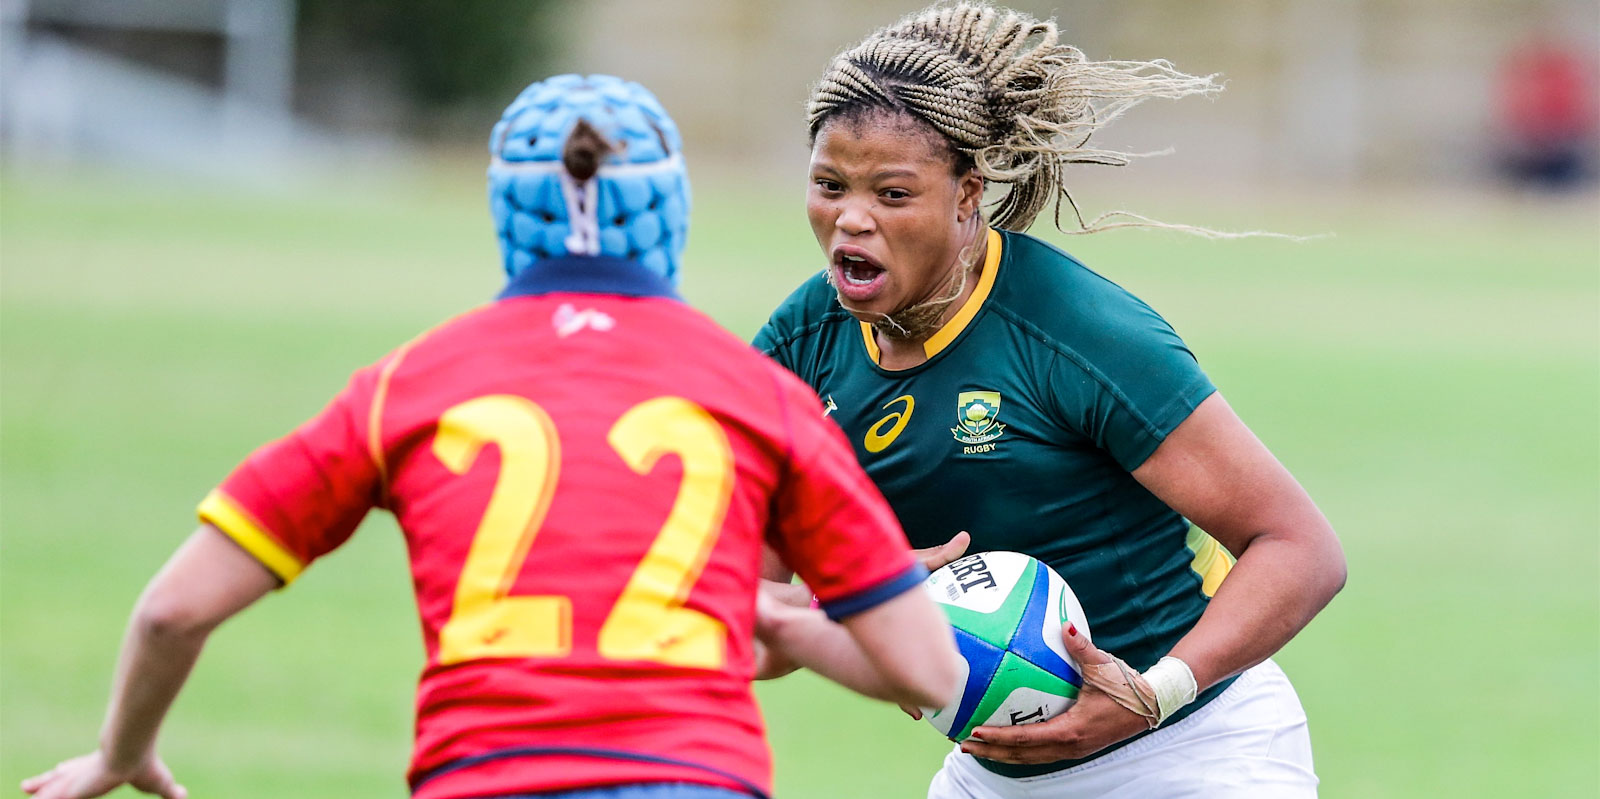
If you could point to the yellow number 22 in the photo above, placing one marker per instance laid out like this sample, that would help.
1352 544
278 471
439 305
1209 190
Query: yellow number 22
648 621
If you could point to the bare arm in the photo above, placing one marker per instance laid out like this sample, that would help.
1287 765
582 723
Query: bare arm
900 651
772 662
206 581
1216 473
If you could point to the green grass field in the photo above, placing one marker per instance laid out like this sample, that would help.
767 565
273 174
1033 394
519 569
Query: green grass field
1431 374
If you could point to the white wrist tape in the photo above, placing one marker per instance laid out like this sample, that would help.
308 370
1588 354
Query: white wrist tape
1173 683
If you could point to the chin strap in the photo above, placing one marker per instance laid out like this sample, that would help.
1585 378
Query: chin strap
1155 695
583 214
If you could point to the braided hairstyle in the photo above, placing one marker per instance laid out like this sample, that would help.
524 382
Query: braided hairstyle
1003 92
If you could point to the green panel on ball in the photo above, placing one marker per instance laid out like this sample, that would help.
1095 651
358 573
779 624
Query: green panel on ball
996 627
1014 673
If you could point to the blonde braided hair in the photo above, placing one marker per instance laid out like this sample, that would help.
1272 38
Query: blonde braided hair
1007 96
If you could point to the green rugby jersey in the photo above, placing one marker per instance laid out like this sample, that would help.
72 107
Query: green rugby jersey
1038 398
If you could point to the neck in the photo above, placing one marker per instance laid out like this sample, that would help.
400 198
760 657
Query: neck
901 336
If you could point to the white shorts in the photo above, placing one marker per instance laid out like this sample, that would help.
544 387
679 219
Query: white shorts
1249 743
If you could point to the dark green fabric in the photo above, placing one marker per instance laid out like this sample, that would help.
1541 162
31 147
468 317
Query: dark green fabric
1090 382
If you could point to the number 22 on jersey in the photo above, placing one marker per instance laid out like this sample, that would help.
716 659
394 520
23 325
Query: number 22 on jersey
648 621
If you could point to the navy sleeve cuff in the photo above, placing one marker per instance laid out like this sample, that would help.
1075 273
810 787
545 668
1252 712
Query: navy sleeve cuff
869 598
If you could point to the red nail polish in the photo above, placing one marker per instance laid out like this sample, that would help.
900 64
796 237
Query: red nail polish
976 735
1072 630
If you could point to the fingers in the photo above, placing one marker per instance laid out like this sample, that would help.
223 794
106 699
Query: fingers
1001 754
86 776
1079 647
54 783
33 784
1019 735
157 779
913 711
1094 722
1035 751
166 788
936 557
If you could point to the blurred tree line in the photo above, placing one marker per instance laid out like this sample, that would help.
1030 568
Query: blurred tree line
443 64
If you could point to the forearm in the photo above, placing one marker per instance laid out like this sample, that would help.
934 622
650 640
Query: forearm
1218 475
806 638
205 582
153 666
1272 592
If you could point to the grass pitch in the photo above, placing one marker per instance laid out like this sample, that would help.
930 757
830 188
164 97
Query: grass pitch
1430 376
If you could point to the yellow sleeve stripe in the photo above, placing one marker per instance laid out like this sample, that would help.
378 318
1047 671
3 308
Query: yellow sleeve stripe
221 512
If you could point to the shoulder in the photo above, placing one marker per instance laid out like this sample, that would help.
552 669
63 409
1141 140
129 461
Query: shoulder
1059 293
1069 307
807 310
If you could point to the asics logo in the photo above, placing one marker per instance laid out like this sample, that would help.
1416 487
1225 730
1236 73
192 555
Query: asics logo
568 320
878 439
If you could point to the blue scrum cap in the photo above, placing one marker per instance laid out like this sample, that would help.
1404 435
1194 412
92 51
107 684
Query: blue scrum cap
635 207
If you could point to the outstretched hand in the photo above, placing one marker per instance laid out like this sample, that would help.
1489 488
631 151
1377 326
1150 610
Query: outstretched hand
1094 723
934 558
89 776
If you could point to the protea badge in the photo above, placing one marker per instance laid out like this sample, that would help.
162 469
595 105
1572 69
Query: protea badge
977 417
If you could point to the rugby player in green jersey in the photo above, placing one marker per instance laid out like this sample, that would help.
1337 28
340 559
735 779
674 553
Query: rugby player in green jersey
991 383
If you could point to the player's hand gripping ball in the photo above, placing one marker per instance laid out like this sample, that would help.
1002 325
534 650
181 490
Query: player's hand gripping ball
1007 610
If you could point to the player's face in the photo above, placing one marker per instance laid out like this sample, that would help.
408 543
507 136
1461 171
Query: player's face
889 212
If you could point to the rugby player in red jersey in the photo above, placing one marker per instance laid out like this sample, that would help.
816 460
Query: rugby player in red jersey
585 471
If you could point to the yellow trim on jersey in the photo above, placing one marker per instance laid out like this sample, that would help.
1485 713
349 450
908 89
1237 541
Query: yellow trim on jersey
218 510
941 339
1211 561
969 309
872 343
380 394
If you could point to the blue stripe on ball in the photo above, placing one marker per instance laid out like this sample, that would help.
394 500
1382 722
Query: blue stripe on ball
983 660
1027 644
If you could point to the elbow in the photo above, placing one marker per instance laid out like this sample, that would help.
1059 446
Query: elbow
937 681
1323 576
165 618
1338 575
1336 570
937 693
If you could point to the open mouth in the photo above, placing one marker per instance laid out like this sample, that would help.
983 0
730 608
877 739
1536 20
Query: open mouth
856 276
858 271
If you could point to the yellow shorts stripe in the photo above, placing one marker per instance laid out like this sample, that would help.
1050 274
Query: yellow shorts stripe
218 510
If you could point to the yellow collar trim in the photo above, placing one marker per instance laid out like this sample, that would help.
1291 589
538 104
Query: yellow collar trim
938 341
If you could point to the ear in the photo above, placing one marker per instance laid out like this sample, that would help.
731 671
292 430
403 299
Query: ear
969 195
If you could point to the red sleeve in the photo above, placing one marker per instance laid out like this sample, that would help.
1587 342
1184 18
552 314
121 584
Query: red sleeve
829 522
300 497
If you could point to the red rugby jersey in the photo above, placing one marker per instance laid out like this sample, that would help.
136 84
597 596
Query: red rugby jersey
585 471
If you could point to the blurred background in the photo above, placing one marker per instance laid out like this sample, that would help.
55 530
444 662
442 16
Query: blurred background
211 211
